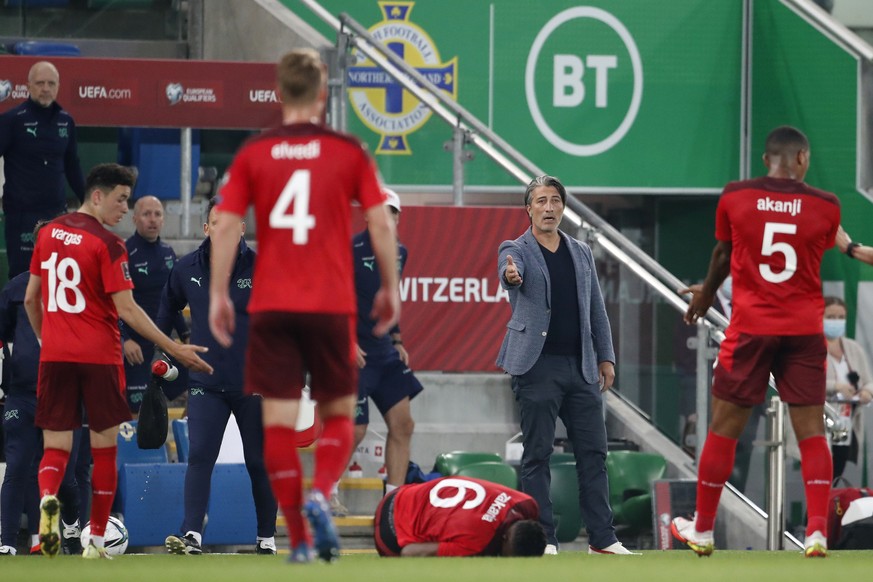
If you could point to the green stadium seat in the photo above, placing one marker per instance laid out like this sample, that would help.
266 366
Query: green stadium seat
450 463
558 458
631 474
493 471
564 492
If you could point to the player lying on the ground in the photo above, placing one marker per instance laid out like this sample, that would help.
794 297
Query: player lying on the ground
458 516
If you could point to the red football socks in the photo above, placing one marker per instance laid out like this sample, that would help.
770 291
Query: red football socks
51 471
716 464
816 467
283 469
332 452
103 484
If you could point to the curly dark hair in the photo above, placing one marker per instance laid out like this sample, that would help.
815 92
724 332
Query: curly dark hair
527 538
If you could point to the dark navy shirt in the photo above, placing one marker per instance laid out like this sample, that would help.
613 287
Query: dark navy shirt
564 337
367 282
20 370
38 146
150 264
189 285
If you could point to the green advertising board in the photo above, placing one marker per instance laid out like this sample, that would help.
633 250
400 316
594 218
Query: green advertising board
613 95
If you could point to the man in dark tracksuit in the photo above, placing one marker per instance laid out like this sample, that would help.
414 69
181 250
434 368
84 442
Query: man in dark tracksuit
151 261
23 446
385 377
211 399
38 146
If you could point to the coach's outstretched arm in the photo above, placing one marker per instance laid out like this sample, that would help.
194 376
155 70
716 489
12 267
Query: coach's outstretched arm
133 315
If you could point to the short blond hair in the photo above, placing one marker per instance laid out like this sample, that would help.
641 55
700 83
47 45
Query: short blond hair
300 75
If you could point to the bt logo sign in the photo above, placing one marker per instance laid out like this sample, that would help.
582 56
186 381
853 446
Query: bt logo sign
596 85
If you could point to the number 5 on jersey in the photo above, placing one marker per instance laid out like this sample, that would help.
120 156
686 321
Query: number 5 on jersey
296 194
62 277
769 247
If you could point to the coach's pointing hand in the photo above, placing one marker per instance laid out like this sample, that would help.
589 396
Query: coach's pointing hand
511 273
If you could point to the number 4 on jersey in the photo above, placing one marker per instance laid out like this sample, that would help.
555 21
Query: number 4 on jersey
296 194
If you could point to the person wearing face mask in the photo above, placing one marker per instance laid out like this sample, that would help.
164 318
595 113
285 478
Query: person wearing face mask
849 384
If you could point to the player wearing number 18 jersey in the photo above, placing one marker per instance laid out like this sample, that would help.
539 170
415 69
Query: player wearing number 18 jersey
458 516
301 179
79 286
771 235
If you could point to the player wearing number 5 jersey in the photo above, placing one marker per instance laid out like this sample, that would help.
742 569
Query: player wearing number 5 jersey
771 235
458 516
302 179
79 286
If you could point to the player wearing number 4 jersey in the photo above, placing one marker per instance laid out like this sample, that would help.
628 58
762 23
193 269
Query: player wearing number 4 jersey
771 235
301 179
79 286
458 516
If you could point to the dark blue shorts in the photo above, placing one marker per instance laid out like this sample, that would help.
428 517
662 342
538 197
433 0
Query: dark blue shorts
386 380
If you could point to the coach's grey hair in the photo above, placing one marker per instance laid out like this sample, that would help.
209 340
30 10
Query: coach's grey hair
545 180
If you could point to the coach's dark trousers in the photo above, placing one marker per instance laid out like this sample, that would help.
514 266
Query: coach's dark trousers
208 413
552 388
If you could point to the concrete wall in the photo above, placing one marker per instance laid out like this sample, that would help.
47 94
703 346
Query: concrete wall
457 412
256 30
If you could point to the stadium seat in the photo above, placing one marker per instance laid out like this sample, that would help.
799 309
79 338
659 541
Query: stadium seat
564 491
451 463
631 474
499 473
119 4
129 452
558 458
46 48
156 153
180 435
37 3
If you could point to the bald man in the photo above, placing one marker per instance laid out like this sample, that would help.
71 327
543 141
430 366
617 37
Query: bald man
151 261
38 145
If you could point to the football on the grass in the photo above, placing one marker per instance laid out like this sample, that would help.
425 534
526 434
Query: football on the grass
114 539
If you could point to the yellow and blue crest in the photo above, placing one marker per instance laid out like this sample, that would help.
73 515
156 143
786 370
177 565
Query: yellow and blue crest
379 101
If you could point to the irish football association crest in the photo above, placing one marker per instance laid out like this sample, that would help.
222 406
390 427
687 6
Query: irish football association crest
381 102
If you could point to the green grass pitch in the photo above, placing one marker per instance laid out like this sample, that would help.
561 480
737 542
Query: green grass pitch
652 566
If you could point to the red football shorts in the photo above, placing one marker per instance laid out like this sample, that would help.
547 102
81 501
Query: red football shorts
63 388
798 363
284 346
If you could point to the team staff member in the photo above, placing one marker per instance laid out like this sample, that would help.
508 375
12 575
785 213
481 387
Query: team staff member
771 233
213 398
38 146
302 178
458 516
558 349
385 376
151 261
79 286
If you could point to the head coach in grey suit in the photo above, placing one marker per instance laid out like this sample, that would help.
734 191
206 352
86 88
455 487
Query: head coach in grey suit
559 365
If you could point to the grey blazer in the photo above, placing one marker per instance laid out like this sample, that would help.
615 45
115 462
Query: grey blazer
531 312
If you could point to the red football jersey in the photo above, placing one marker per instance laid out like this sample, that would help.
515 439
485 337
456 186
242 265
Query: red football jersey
302 179
81 265
779 229
466 516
